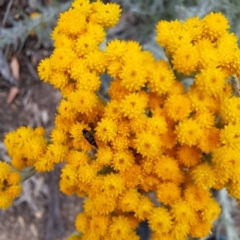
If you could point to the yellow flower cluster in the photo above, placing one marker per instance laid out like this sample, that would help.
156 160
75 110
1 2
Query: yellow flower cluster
152 135
10 186
26 146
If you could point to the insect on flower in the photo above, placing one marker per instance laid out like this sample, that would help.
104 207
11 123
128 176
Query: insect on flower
89 137
235 85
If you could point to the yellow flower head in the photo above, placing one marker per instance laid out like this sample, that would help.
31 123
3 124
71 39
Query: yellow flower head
96 31
226 158
210 81
106 15
155 101
188 132
122 160
138 124
180 37
169 139
87 173
83 101
202 102
106 130
162 80
121 143
112 110
116 91
147 144
88 81
104 155
57 152
186 58
69 174
168 193
82 222
208 54
96 61
230 110
132 176
233 190
145 208
230 136
203 175
189 156
72 22
59 80
61 59
150 183
194 26
205 119
166 30
13 178
160 220
120 228
197 197
115 50
133 73
83 6
77 158
61 40
167 168
176 89
58 136
113 185
200 228
227 46
181 210
67 109
211 211
40 131
157 124
221 177
13 191
37 149
215 25
99 225
4 171
177 107
133 105
18 162
129 201
5 201
85 44
100 205
44 69
45 163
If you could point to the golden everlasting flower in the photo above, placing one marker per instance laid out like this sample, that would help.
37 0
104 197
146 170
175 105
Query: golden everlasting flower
188 132
186 58
177 107
133 105
106 130
160 220
215 25
168 193
152 134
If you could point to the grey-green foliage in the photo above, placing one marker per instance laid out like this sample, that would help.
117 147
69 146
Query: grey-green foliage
145 15
20 30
